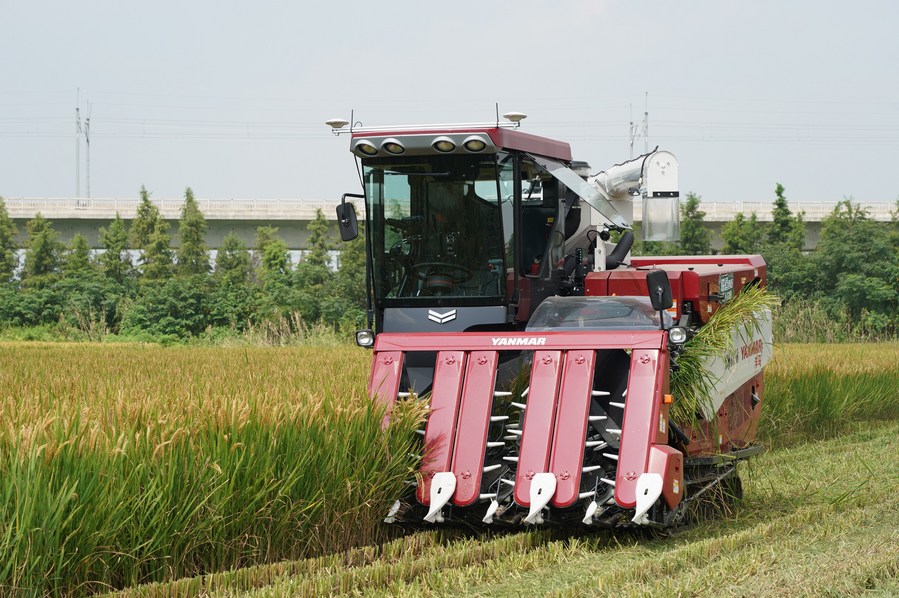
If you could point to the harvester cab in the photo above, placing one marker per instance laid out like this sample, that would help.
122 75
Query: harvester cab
543 351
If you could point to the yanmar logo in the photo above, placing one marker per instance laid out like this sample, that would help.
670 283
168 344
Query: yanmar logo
441 318
753 348
528 341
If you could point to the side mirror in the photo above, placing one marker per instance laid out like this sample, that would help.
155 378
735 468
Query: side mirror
659 290
347 223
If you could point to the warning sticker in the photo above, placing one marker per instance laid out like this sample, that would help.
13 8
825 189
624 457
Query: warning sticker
726 286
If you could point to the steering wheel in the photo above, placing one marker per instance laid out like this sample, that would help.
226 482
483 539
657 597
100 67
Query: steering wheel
440 277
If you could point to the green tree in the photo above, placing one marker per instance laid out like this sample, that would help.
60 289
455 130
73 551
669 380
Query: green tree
156 261
232 262
779 229
313 274
796 238
272 252
8 258
742 235
193 255
115 261
176 307
318 243
43 252
76 262
695 238
277 296
144 222
857 265
344 296
784 227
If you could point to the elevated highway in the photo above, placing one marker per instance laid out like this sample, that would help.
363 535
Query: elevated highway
291 216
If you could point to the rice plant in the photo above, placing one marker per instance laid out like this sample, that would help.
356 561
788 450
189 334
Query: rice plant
125 465
691 382
814 391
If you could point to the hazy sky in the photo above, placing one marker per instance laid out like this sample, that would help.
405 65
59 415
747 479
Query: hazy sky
230 98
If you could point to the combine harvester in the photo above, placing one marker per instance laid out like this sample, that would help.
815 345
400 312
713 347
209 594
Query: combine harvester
545 352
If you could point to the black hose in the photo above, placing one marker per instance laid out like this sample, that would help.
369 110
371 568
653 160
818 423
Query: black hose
616 258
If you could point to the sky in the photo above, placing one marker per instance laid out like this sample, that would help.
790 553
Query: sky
230 98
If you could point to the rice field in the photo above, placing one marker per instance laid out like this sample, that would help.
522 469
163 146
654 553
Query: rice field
819 519
123 465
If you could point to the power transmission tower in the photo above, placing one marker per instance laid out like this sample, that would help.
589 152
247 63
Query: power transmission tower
646 125
78 144
87 140
640 130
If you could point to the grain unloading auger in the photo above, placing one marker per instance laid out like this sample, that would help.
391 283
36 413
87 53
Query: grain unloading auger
545 354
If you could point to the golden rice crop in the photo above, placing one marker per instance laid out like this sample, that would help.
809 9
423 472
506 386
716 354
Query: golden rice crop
812 391
126 464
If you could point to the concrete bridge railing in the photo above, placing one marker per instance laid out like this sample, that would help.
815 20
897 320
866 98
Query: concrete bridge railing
304 209
242 216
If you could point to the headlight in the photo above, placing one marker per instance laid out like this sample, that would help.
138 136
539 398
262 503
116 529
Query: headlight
474 144
677 335
365 338
366 147
393 146
444 145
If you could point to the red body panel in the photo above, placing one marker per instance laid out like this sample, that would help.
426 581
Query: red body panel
737 420
537 431
641 422
440 430
693 279
470 442
669 463
567 458
384 382
561 341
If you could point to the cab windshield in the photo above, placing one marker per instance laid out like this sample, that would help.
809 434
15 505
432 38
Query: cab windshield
440 227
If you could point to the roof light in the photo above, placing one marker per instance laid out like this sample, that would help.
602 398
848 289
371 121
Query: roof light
444 145
393 146
366 147
474 144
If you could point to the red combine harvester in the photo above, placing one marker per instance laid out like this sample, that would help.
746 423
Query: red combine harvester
544 351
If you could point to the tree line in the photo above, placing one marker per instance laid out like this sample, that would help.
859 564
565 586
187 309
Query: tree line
851 279
139 286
